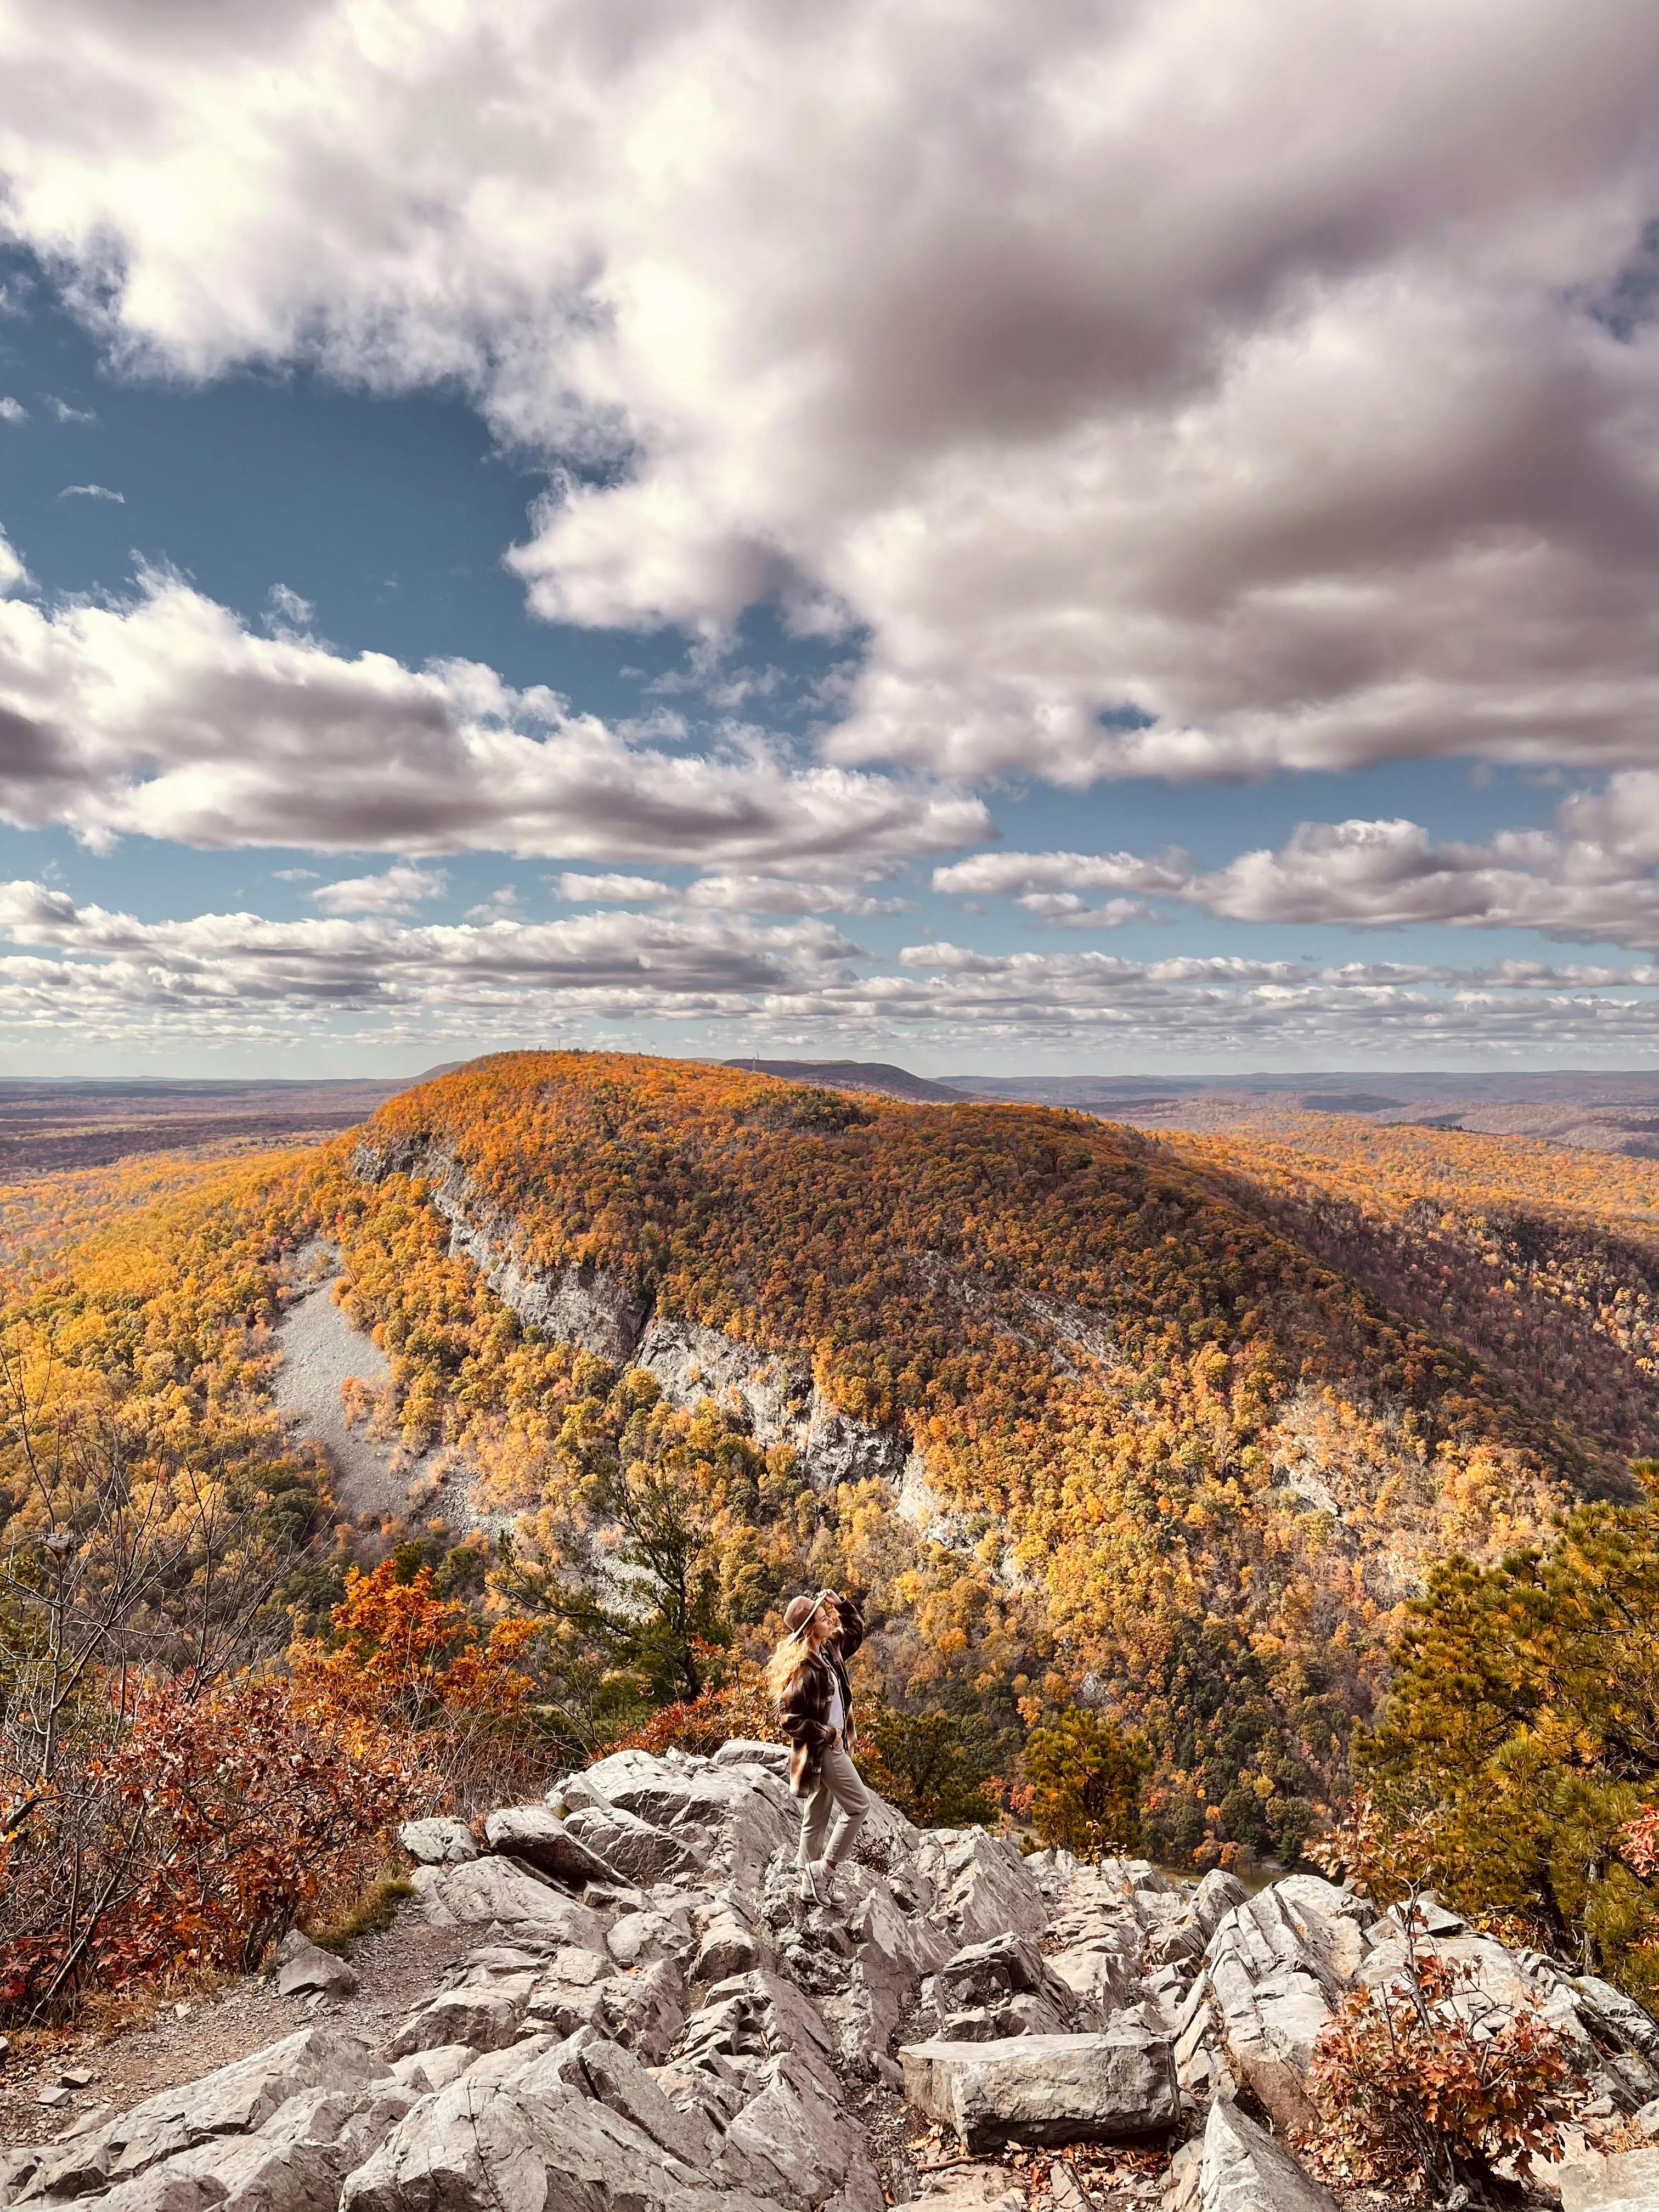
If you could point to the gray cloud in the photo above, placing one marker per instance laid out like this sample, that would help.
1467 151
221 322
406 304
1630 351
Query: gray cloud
233 969
92 491
167 718
1310 430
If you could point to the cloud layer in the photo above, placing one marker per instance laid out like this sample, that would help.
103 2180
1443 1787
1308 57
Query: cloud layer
1279 386
1590 877
108 977
165 717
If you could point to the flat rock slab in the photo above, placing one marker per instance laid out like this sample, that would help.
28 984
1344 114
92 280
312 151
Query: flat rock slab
1046 2089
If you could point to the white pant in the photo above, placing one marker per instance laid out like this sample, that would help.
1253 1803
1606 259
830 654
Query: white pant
839 1791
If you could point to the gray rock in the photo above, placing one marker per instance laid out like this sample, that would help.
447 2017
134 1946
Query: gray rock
968 2189
1599 2181
750 1751
234 2099
428 2071
506 1893
538 1837
795 2135
1217 1895
728 1819
726 1949
613 2074
438 1842
640 1852
306 1968
1246 2170
481 2019
645 2010
1276 1968
1046 2089
529 2144
998 1989
982 1887
640 1939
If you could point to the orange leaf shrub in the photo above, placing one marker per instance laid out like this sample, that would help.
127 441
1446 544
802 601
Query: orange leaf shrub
740 1706
405 1653
210 1826
1423 2083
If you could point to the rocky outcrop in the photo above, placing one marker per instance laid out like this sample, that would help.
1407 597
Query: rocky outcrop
680 2034
1047 2088
1244 2169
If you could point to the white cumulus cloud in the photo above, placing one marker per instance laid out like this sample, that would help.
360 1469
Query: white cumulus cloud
398 890
1165 387
1592 875
167 717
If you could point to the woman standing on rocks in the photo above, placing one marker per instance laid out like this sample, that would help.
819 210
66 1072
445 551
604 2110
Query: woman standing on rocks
809 1682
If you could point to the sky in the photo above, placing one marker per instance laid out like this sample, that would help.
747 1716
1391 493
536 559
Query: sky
1112 537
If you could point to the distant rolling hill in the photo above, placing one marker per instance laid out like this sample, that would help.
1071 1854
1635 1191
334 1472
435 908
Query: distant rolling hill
877 1075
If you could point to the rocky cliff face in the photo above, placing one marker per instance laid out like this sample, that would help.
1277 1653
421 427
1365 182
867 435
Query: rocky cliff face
649 2020
611 1317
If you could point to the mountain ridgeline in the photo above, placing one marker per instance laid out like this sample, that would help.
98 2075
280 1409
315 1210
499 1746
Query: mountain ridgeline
1078 1419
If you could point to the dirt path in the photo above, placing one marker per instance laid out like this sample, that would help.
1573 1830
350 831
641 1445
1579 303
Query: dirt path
132 2060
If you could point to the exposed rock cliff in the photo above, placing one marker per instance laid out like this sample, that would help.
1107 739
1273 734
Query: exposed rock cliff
612 1317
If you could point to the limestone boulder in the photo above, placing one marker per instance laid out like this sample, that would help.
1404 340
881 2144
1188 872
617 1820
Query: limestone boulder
438 1842
537 1836
1046 2089
1245 2169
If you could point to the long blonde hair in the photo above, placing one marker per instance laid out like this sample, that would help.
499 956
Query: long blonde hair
783 1669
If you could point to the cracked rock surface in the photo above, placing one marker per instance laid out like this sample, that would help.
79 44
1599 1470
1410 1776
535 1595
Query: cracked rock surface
638 2014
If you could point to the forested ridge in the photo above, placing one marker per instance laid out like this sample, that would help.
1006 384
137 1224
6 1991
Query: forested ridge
1183 1436
1540 1260
1177 1458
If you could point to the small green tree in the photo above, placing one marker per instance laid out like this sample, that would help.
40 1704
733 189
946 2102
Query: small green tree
1083 1785
924 1764
633 1574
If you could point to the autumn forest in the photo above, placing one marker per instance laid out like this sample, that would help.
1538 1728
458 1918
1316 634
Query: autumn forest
1193 1469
